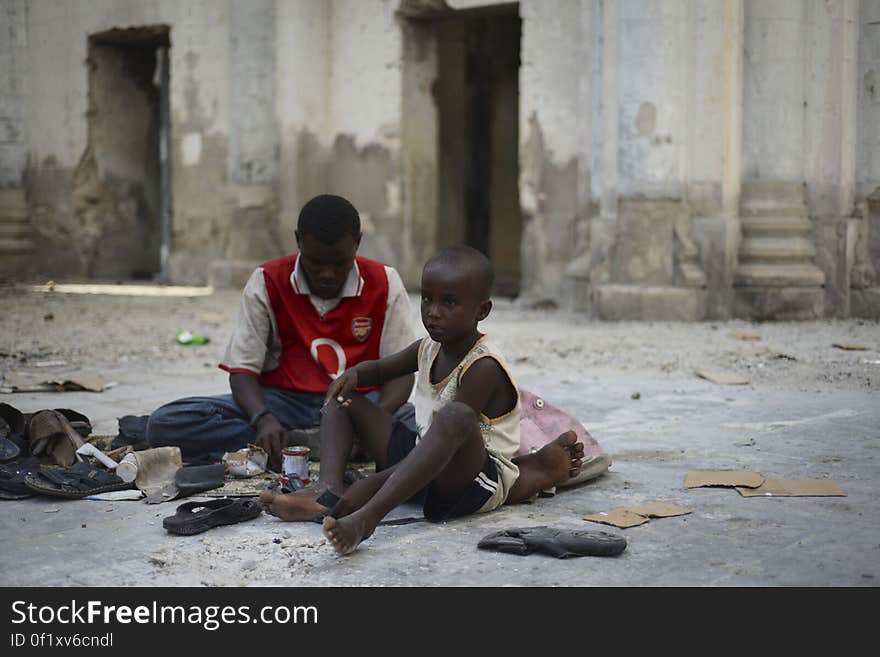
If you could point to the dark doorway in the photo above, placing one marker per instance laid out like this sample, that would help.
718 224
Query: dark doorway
121 189
477 95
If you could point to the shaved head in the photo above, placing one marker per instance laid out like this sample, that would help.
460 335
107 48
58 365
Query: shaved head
471 263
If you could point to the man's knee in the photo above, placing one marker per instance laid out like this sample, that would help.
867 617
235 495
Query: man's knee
162 424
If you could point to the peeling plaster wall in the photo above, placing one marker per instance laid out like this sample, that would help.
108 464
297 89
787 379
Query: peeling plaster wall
58 41
339 104
773 124
551 139
868 84
13 97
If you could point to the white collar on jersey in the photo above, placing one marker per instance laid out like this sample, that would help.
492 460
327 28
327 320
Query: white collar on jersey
352 287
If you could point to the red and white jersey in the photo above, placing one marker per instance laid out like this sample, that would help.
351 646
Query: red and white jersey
291 339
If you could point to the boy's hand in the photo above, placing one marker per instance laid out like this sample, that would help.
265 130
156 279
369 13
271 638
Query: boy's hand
272 437
341 388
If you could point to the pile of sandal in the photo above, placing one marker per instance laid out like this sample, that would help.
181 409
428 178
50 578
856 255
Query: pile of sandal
38 456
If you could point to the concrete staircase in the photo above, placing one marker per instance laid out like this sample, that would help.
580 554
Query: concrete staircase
16 235
776 277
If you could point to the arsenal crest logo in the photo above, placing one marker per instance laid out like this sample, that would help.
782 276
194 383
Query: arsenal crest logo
361 327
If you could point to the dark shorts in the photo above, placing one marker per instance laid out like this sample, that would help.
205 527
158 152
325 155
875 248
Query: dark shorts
471 500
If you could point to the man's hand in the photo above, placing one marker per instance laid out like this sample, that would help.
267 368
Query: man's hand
272 437
341 388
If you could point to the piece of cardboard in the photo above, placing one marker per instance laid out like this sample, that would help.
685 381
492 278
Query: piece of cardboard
794 488
744 478
637 515
746 336
16 382
724 378
660 510
849 347
622 518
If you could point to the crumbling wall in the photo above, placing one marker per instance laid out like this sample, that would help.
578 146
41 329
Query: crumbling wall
339 108
13 79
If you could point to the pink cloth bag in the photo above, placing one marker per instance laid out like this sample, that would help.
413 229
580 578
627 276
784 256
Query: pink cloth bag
542 422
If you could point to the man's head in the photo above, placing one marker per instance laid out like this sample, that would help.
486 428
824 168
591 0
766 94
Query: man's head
328 234
456 285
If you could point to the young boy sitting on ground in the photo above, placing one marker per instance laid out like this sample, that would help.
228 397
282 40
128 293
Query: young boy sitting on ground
467 410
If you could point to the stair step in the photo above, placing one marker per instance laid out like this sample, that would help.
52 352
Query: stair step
20 228
775 225
772 209
762 274
776 248
11 245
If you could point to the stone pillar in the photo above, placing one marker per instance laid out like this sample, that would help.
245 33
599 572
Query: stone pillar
252 163
16 232
776 277
651 269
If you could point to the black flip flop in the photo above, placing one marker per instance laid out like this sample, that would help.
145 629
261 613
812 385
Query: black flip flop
559 543
77 481
196 517
198 478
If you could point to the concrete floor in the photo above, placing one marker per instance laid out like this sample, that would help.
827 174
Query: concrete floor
678 424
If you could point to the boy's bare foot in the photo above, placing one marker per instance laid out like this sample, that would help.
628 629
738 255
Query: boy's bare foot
552 464
294 507
345 534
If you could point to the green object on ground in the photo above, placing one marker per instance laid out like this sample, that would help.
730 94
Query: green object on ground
187 338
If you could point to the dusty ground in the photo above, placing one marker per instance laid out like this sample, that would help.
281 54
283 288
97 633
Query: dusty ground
122 335
809 410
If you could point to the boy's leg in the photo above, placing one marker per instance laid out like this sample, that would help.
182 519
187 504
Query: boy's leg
449 456
555 462
339 426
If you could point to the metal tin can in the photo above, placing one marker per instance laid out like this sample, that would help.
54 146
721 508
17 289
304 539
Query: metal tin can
296 462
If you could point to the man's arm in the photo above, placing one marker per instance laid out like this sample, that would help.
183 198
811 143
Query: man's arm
271 436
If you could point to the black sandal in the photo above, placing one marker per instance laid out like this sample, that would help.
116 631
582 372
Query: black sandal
196 517
559 543
77 481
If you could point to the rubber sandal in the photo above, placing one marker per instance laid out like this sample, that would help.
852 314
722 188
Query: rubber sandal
51 436
196 517
11 432
559 543
199 478
77 481
12 486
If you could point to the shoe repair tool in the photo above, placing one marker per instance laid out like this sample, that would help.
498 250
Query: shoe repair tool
295 464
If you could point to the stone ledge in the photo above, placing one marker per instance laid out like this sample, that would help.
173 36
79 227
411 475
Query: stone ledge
865 303
635 302
781 303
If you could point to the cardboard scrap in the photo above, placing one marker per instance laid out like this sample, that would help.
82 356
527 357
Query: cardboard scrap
17 383
637 515
746 336
725 378
622 518
743 478
849 347
660 510
794 488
